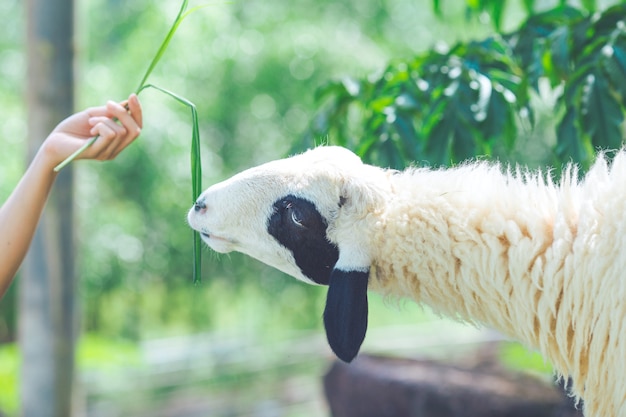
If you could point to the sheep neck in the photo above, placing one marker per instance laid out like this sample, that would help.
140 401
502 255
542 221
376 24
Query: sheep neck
495 255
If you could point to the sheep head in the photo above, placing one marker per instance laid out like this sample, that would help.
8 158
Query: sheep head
305 216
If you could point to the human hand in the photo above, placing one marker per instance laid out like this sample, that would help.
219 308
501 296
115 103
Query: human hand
115 126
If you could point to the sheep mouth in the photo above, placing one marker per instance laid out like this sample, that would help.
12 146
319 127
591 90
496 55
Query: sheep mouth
217 243
212 237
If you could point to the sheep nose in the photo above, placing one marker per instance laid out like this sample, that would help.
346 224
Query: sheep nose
199 206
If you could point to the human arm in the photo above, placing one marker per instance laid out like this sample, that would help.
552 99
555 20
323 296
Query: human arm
116 127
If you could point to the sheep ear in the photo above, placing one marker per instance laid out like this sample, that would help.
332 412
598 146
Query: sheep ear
345 315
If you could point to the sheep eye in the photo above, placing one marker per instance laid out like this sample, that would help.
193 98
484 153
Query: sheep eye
295 215
296 218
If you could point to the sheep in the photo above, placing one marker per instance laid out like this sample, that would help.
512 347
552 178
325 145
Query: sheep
538 260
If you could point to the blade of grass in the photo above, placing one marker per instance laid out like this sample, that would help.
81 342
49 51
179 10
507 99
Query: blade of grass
170 34
182 14
75 154
196 172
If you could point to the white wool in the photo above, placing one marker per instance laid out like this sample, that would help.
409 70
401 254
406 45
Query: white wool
543 263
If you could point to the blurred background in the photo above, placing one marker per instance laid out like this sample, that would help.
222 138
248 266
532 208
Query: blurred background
266 77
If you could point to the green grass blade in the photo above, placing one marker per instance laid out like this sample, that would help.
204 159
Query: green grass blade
196 173
75 154
196 181
197 258
170 34
182 14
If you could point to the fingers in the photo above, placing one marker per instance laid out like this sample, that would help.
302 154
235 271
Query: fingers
130 118
112 138
134 107
117 125
131 105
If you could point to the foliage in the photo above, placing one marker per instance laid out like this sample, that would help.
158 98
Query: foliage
440 106
447 106
496 9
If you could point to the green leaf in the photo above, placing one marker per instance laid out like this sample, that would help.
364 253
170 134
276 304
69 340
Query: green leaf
560 54
569 143
393 157
615 67
529 6
580 37
436 113
379 104
494 124
535 43
408 135
590 5
366 146
497 9
331 89
438 143
437 8
464 142
611 20
602 115
509 132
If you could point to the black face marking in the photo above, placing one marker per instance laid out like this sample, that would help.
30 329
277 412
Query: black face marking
297 225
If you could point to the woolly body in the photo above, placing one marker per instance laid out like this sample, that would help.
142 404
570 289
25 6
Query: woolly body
539 261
